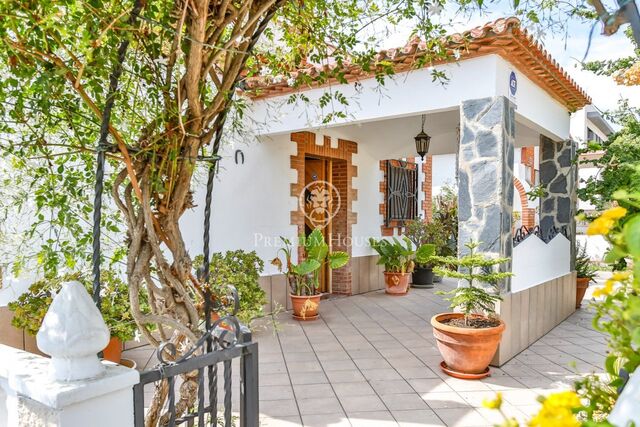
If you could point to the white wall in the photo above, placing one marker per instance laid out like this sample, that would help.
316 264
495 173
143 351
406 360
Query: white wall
405 94
251 203
535 262
533 104
443 172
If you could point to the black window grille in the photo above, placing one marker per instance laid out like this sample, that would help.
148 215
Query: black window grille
401 192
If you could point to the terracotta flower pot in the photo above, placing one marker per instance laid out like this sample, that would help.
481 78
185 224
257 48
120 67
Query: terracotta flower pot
467 352
113 350
396 283
582 283
305 307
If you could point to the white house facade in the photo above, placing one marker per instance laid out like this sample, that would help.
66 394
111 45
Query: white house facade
503 118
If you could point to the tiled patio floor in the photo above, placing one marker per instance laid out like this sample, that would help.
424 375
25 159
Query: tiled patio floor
371 360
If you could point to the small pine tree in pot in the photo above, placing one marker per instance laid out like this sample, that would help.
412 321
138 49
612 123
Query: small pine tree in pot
585 273
469 338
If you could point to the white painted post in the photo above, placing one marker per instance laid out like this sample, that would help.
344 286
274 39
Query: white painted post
625 412
73 388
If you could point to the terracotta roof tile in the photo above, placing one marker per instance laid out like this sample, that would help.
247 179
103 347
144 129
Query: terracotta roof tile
503 37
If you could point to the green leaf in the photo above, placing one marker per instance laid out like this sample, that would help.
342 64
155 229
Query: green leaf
614 254
305 267
424 253
635 338
631 233
338 259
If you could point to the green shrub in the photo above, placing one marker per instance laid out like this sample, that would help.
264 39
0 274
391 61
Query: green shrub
30 308
241 270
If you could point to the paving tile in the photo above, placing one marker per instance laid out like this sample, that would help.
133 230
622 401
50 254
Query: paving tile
276 392
326 420
417 418
338 365
372 419
416 372
502 383
426 385
372 363
319 405
298 357
273 368
309 378
299 367
461 417
444 400
403 401
365 403
344 376
391 386
332 355
273 379
360 388
475 398
276 408
308 391
463 385
267 421
381 374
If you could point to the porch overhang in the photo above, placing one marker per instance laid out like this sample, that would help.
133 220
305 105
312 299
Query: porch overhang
491 58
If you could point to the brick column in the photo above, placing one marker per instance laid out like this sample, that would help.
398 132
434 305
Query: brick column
427 187
485 178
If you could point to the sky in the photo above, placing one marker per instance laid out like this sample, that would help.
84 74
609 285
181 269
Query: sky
567 50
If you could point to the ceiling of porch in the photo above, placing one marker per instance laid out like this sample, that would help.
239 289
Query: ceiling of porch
394 138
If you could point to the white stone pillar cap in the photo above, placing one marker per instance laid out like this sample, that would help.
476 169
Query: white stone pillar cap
72 333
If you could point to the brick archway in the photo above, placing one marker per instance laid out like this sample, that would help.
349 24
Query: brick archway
343 172
528 214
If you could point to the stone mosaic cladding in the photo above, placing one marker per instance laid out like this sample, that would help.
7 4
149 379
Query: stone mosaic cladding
485 175
558 177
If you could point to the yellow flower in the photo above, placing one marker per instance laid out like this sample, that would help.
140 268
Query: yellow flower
493 404
620 276
557 411
600 225
614 213
560 418
563 399
605 290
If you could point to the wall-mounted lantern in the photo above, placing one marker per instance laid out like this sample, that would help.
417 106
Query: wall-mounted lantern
422 141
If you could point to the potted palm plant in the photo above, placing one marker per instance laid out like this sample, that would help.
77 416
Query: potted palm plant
303 278
422 276
468 339
397 258
585 273
429 238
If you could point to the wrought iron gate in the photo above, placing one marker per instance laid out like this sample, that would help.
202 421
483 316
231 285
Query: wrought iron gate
223 342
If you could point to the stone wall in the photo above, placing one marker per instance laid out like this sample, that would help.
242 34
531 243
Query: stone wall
558 177
485 175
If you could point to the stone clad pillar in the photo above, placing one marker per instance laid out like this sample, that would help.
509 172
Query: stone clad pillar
485 175
558 177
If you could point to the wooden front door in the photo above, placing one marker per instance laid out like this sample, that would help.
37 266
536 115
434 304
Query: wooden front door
318 170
